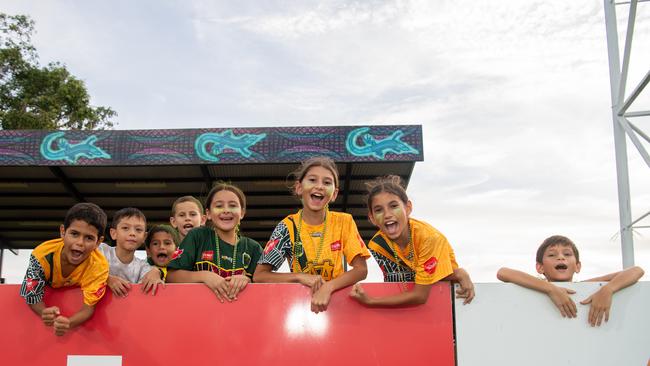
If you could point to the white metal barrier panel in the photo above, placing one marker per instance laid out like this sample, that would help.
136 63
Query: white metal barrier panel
510 325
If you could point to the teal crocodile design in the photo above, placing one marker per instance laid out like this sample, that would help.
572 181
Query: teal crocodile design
209 145
64 150
377 148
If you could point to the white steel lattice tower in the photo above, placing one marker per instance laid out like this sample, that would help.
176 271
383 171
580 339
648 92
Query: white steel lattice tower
624 109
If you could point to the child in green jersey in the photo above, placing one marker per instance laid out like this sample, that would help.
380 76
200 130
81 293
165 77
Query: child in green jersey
216 254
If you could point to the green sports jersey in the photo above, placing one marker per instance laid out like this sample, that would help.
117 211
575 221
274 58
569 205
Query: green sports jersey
199 252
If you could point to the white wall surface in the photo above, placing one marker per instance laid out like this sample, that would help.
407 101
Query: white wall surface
510 325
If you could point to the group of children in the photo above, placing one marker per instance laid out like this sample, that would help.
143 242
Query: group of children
206 246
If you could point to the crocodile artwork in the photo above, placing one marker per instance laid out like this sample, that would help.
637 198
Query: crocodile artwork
56 147
210 145
375 147
231 145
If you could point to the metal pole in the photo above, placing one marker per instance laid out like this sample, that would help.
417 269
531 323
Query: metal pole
638 131
622 174
628 2
627 52
635 139
641 218
637 114
635 93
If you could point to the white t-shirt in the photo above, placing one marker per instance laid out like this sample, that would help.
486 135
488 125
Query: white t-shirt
132 272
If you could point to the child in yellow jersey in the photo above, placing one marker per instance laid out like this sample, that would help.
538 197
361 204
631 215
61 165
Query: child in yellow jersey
72 260
315 240
407 249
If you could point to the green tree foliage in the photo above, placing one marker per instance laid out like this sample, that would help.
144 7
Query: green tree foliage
35 97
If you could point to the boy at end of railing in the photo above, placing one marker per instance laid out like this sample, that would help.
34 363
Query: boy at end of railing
558 260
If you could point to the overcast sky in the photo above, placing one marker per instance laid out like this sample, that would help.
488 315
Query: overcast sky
513 98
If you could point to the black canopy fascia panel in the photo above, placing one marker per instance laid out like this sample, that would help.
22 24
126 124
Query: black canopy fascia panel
210 146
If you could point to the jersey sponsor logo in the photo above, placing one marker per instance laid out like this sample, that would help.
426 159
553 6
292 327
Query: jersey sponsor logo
31 284
208 255
430 265
324 269
100 291
177 253
270 245
335 246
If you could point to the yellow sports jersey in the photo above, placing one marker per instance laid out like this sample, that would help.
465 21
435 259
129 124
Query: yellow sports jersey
315 253
163 270
45 268
432 258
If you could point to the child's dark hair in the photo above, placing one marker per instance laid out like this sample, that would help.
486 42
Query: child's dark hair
389 184
187 199
553 241
127 212
88 212
223 186
162 228
322 161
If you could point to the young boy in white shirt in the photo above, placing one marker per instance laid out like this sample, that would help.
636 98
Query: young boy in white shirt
128 230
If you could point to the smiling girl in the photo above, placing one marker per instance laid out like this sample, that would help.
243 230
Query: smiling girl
406 249
216 254
315 240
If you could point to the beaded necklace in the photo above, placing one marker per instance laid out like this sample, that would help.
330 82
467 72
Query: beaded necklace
401 273
298 249
234 251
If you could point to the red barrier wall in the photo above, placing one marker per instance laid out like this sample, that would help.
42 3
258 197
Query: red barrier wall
269 323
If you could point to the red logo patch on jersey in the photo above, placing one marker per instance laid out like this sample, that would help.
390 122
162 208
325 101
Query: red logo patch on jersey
363 244
100 291
270 245
430 265
30 284
208 255
335 246
177 253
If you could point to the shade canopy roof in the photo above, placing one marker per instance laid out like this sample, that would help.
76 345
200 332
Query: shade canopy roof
44 173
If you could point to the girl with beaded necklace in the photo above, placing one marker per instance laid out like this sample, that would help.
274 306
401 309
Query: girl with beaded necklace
315 240
407 249
216 254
